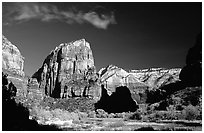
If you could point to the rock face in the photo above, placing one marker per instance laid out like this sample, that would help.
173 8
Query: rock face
12 59
69 71
12 64
191 74
157 77
112 77
138 81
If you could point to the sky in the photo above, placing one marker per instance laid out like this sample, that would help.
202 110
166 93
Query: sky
129 35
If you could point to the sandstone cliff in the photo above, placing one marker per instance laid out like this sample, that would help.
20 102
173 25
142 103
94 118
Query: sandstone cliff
12 60
13 64
112 77
69 71
138 81
157 77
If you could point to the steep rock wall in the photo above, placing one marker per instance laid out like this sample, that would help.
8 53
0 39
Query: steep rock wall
12 60
69 71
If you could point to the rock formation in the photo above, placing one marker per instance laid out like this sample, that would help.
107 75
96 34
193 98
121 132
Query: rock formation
191 74
157 77
112 77
138 81
12 59
69 71
12 64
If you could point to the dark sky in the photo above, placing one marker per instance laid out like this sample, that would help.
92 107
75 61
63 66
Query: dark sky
128 35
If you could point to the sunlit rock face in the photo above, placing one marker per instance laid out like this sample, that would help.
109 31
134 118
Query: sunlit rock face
157 77
112 77
138 81
12 60
13 65
69 71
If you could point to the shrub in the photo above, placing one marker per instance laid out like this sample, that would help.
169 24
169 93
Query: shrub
100 113
118 115
191 112
91 114
111 115
135 116
41 114
116 124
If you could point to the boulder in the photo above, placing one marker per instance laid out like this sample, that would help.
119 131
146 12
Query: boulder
69 71
12 59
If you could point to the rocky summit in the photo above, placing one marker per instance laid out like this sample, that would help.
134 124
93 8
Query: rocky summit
69 71
12 60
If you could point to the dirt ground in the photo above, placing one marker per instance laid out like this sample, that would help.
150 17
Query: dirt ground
118 124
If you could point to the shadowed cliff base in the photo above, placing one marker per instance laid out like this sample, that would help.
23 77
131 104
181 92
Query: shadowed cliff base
119 101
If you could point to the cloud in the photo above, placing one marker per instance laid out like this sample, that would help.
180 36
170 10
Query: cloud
21 12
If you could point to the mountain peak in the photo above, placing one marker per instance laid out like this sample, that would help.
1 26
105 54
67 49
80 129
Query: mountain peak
69 65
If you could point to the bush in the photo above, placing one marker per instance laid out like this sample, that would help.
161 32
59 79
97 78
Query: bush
111 115
91 114
82 104
191 112
116 124
100 113
44 115
135 116
118 115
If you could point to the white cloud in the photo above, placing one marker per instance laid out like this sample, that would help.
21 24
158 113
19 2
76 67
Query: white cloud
47 12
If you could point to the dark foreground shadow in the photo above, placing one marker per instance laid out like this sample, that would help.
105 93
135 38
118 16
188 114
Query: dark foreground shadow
15 117
119 101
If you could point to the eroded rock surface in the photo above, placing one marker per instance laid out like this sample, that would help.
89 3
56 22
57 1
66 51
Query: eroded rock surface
13 65
112 77
138 81
69 71
12 59
157 77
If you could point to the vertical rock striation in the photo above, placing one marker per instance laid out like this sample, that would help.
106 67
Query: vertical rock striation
69 71
12 60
